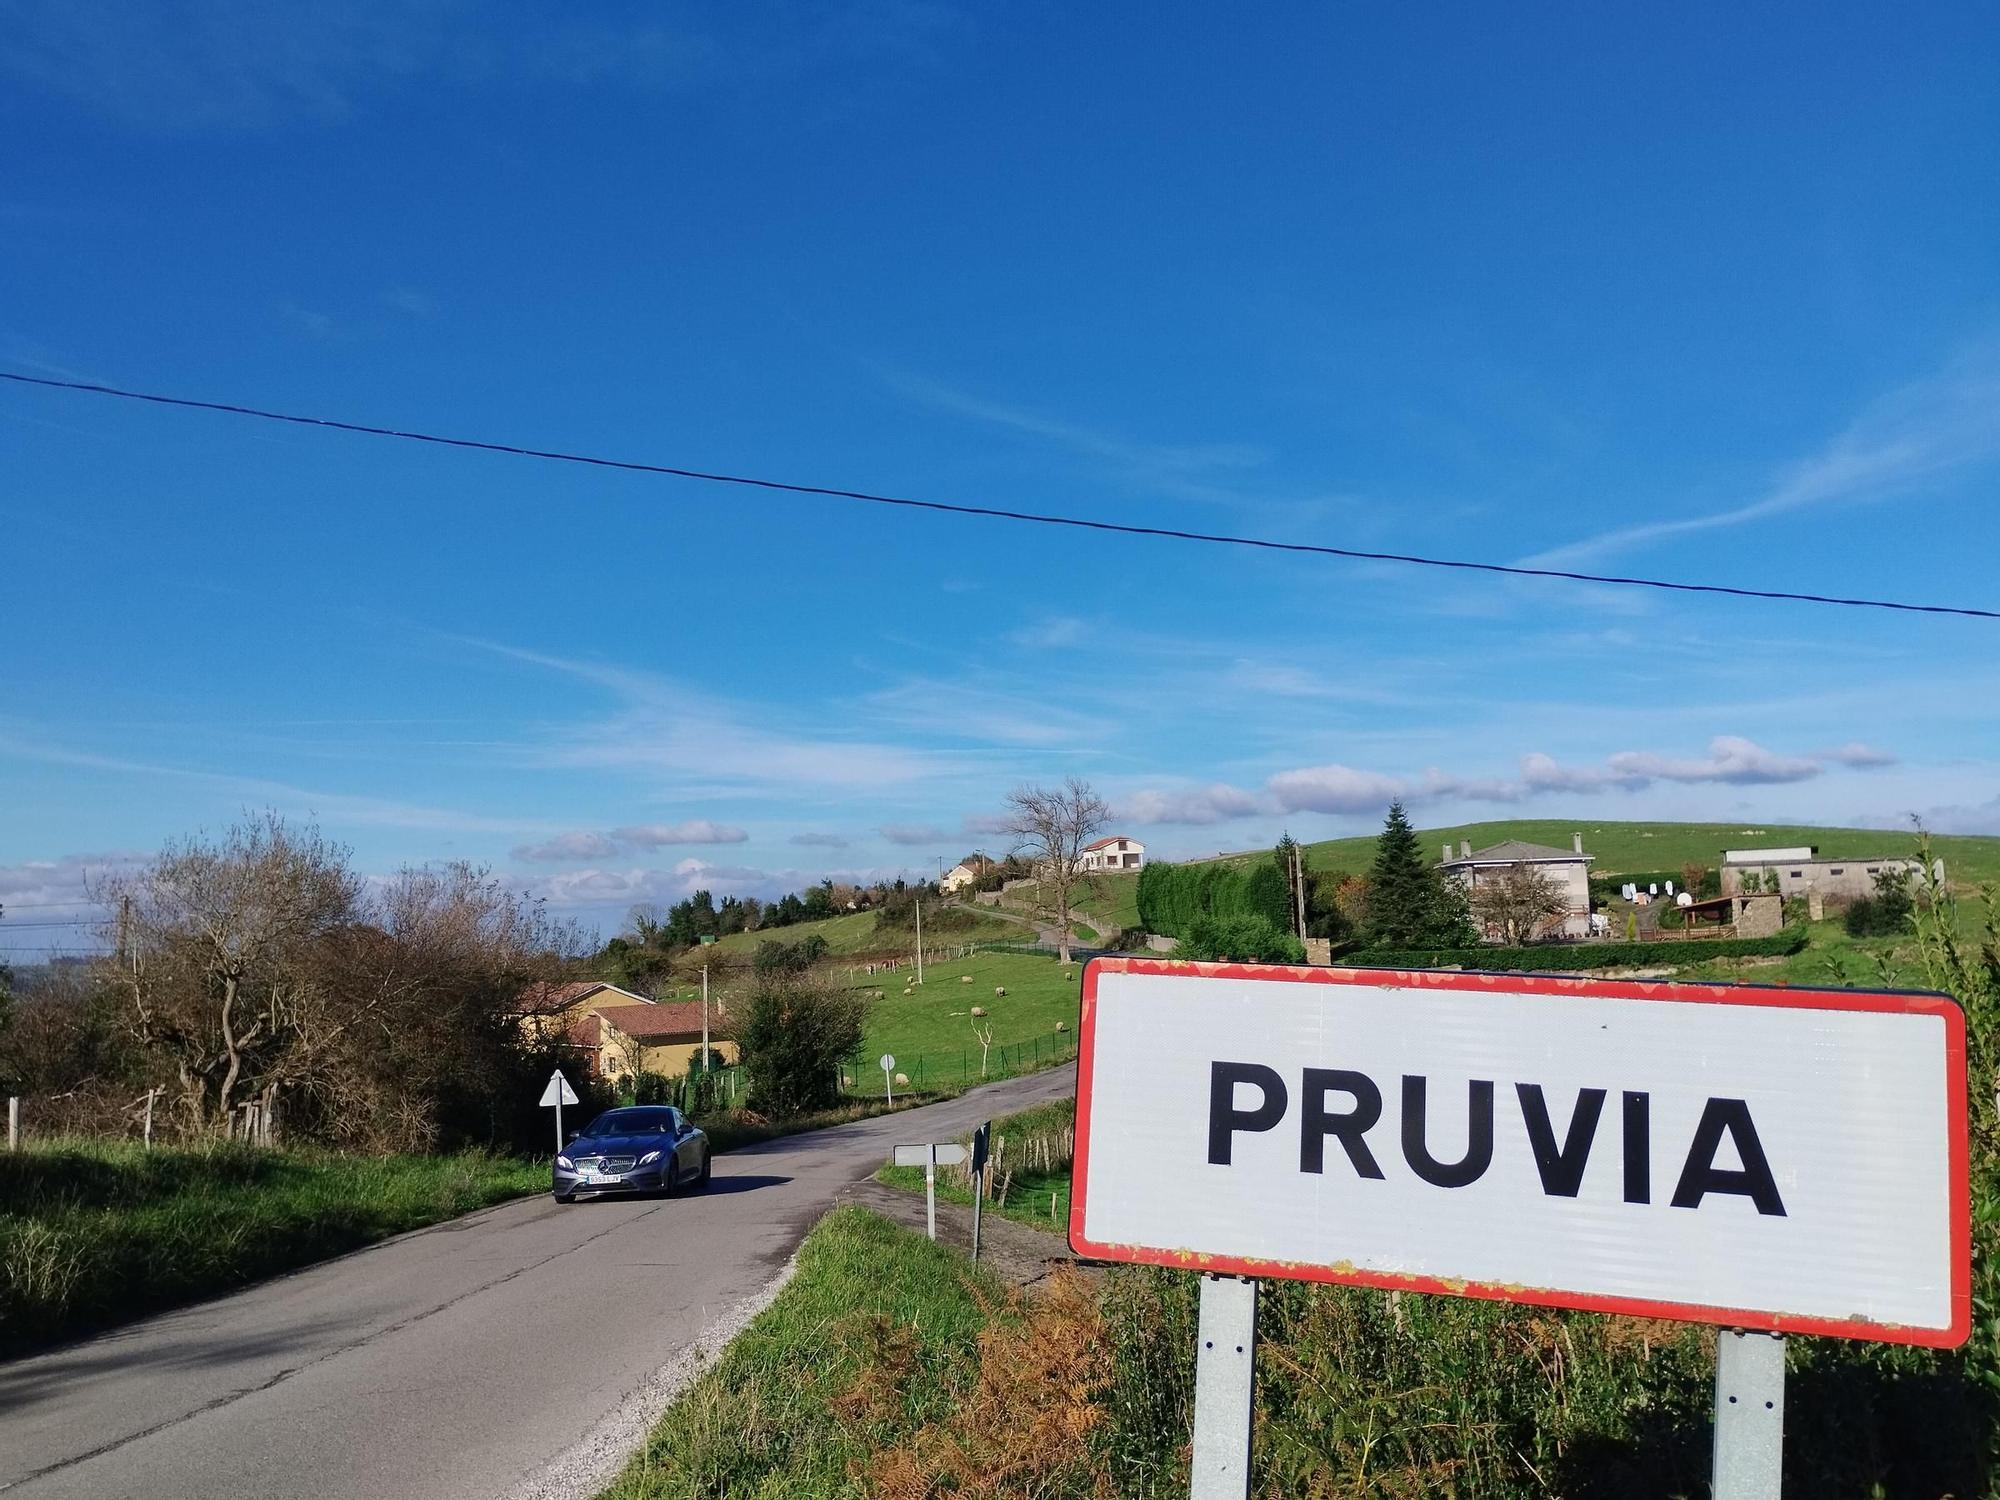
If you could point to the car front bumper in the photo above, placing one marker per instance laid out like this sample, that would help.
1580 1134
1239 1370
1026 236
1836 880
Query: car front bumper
639 1180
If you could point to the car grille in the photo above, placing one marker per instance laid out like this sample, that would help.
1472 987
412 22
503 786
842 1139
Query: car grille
615 1163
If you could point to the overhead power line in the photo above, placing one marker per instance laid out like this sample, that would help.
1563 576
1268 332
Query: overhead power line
996 513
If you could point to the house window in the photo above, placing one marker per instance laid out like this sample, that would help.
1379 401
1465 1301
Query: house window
1798 874
1837 870
1874 869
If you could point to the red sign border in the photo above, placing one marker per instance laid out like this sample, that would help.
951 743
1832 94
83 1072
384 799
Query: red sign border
1908 1002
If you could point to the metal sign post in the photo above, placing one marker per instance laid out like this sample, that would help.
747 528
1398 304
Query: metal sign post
1749 1415
980 1140
888 1061
930 1158
1224 1377
558 1093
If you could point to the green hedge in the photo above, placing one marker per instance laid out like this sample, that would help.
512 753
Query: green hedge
1580 955
1172 896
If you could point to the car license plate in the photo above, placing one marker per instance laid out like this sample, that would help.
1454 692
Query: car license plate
591 1174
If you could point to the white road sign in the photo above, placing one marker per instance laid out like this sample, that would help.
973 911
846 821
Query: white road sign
888 1061
558 1092
949 1154
1784 1159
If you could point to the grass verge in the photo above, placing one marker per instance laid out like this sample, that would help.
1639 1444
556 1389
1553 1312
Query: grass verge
1031 1181
94 1233
875 1336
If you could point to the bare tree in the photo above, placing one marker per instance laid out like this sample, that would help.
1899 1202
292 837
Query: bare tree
1050 828
984 1036
1518 900
220 939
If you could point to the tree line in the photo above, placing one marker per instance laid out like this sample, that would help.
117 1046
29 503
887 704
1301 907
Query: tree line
259 968
1259 911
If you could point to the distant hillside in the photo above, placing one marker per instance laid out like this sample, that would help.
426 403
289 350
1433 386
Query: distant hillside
1617 847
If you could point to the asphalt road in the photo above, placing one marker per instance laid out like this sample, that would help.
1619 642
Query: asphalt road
515 1351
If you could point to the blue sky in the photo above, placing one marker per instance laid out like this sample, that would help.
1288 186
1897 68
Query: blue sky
1681 291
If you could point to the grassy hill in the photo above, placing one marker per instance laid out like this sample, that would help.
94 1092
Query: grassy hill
854 932
1109 908
1969 859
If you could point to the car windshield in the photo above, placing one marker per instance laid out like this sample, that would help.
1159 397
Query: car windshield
632 1122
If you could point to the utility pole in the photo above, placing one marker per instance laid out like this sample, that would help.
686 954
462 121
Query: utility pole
1299 891
704 1018
920 940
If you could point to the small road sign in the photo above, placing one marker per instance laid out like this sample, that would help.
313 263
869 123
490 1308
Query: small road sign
558 1093
930 1157
944 1154
888 1061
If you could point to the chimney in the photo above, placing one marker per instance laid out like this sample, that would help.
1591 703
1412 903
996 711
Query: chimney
1447 851
1465 848
1576 842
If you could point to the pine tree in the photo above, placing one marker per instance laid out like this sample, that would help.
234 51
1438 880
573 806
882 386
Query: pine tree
1399 890
1411 902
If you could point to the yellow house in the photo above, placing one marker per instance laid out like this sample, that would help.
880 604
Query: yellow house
617 1032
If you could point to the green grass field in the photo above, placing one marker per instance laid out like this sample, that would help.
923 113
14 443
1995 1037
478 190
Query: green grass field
94 1233
853 932
1109 905
935 1023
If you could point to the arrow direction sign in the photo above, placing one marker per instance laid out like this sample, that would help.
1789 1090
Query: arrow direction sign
558 1093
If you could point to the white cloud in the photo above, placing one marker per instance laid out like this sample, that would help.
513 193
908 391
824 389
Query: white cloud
658 835
585 844
1860 756
819 840
661 728
1334 789
568 846
1730 759
1923 434
985 825
911 835
1198 805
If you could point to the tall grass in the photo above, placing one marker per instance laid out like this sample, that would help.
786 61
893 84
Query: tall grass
875 1336
94 1233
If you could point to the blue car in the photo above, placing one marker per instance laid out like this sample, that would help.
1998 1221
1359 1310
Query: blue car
644 1148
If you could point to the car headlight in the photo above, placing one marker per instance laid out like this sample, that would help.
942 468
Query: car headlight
648 1158
565 1163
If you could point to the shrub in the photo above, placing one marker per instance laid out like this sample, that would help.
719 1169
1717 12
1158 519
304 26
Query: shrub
652 1088
1245 939
794 1035
1888 912
1578 955
774 957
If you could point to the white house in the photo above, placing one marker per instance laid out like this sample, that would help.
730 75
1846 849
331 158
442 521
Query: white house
961 875
1569 869
1114 853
